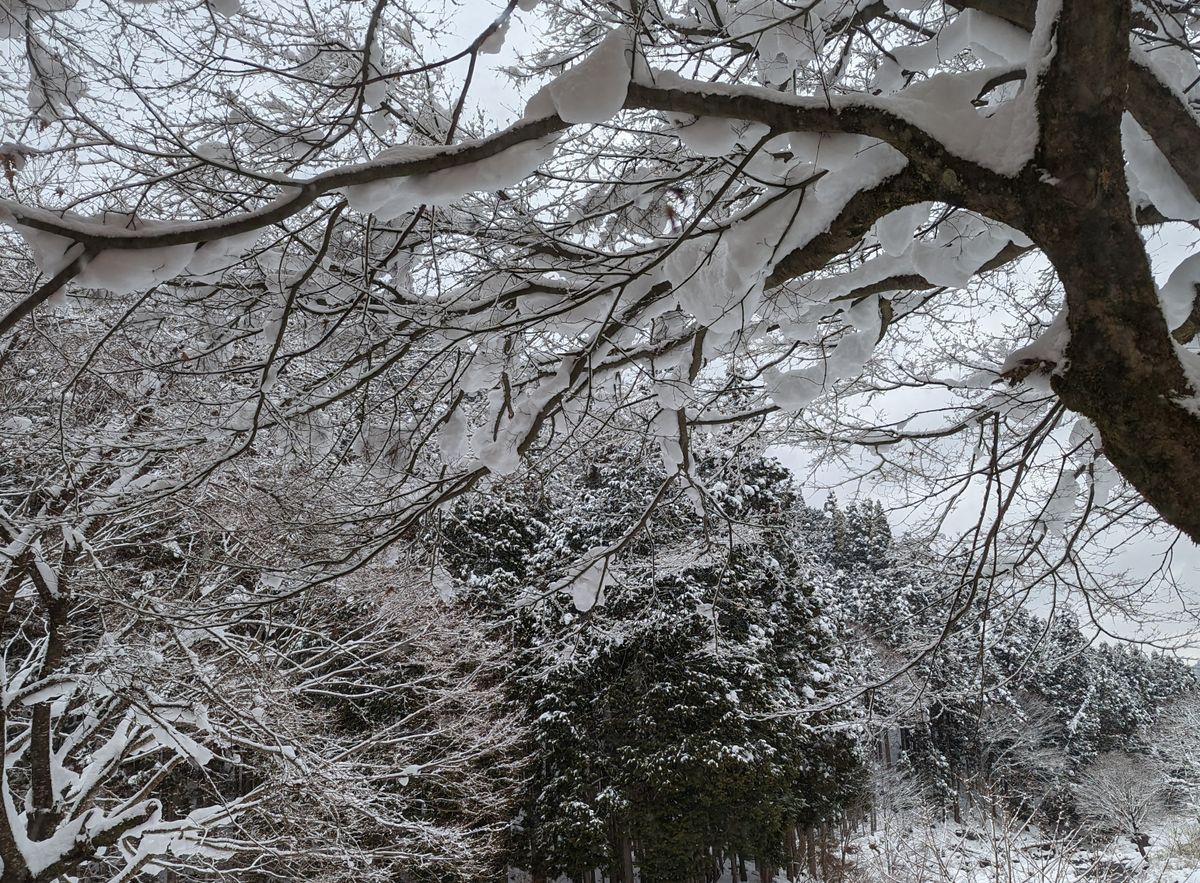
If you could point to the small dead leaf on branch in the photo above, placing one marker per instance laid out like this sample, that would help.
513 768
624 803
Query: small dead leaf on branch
13 156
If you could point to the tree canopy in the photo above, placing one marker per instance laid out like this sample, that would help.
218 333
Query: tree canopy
282 283
302 230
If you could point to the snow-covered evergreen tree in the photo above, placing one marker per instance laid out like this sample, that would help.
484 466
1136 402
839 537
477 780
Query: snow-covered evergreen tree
991 696
686 716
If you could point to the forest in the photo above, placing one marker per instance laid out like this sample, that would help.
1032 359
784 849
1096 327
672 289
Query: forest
622 441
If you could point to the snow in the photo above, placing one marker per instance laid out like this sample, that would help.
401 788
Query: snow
15 13
991 40
12 156
910 847
1172 65
985 850
178 741
1104 480
1002 138
895 230
389 198
718 136
794 390
850 355
51 253
375 90
1152 180
718 278
1083 431
46 572
1048 351
122 271
952 264
672 391
498 441
452 437
849 172
787 36
1190 362
53 87
666 426
117 270
495 40
587 587
961 245
213 258
1178 295
1061 502
593 90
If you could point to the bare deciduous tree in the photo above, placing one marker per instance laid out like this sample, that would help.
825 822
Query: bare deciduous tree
279 255
1120 794
740 239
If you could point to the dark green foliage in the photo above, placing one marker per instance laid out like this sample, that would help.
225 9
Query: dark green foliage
688 702
680 714
490 541
701 708
859 534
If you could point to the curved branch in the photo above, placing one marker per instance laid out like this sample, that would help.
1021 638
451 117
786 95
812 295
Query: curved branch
878 118
1155 106
297 196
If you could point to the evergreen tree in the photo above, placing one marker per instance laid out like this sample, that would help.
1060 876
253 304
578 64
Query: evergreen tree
703 708
678 716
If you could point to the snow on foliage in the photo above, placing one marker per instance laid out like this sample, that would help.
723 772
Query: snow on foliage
712 672
722 189
281 285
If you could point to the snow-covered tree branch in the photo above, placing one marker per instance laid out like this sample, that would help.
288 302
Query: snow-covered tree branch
283 281
905 154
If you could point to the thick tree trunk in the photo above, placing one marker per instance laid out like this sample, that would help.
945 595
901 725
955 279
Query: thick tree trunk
1121 369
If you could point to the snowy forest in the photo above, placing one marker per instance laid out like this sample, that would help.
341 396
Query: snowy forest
622 441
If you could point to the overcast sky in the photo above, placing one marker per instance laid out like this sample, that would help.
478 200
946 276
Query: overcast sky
1168 600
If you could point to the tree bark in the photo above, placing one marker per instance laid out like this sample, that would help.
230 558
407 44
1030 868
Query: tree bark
1121 366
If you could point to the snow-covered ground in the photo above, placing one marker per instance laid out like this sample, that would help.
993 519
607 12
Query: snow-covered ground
917 850
924 852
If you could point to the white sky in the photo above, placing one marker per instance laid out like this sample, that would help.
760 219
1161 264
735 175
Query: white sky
500 100
1169 561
